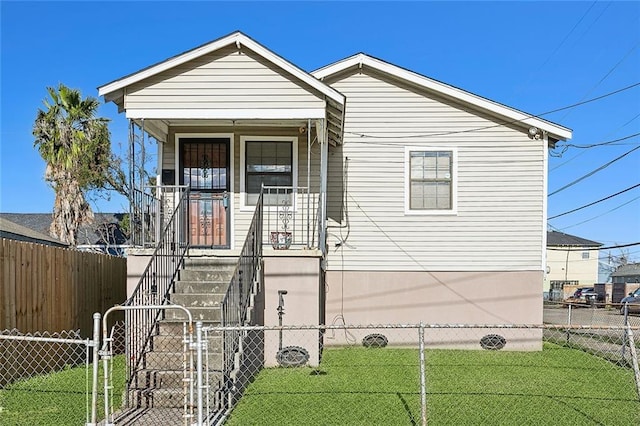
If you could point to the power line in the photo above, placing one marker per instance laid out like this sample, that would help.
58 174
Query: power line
577 104
591 25
596 202
611 142
593 145
603 214
599 248
624 58
583 152
604 166
544 64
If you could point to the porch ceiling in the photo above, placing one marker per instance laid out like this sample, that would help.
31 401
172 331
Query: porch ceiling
159 128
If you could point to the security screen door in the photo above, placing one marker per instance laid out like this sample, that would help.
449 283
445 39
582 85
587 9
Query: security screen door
204 167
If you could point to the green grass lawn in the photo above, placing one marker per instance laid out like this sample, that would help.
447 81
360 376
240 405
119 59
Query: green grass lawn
359 386
58 398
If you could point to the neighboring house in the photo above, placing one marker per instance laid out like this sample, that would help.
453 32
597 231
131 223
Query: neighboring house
404 199
629 273
625 279
571 262
105 234
14 231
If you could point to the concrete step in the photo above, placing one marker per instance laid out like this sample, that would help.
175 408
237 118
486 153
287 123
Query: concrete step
174 360
210 275
146 416
202 287
174 343
189 300
171 379
212 314
158 398
175 327
208 262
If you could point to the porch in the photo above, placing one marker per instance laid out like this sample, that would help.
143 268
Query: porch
290 215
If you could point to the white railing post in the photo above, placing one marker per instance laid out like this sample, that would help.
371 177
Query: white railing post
569 322
199 369
423 380
96 361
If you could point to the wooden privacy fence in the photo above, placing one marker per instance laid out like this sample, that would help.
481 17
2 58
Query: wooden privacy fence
44 288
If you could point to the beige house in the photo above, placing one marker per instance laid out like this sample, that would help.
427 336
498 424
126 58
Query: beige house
571 262
388 197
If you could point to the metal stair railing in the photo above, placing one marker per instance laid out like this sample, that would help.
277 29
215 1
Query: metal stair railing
236 303
155 285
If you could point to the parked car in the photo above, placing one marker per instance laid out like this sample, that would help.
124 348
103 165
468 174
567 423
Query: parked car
632 301
591 296
586 295
580 292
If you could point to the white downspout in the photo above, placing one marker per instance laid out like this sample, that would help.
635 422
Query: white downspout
545 191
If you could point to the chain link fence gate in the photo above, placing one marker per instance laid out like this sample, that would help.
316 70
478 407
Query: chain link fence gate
159 375
45 378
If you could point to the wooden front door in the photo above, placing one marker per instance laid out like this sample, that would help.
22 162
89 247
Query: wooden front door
204 167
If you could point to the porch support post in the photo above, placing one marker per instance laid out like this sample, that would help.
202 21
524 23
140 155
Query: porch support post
142 157
308 191
324 155
131 159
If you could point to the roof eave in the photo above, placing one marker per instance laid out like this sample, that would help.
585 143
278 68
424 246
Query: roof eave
240 40
359 60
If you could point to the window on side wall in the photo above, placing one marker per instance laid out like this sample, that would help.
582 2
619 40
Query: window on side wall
430 181
268 161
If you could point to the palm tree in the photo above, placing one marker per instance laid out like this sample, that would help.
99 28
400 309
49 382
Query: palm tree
76 146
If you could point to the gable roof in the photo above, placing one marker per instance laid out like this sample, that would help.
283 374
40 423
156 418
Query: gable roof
628 270
510 115
14 231
559 239
111 90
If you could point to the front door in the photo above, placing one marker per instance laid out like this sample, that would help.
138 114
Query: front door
204 168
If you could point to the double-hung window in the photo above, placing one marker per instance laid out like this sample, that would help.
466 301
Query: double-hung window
430 181
269 162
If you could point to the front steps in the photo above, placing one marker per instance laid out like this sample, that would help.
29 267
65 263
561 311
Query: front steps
200 288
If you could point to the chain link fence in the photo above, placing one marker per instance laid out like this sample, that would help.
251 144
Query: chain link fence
44 378
596 314
465 374
414 374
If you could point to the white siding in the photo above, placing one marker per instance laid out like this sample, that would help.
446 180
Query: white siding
500 183
221 80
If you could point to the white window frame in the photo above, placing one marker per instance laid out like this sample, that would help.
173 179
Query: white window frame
294 166
454 181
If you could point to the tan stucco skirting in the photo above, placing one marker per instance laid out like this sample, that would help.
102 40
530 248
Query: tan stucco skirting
396 297
300 277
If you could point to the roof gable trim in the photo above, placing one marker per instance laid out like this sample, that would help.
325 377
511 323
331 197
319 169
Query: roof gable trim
359 60
237 38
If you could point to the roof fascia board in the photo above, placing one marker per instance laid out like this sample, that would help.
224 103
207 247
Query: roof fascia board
240 40
227 114
444 89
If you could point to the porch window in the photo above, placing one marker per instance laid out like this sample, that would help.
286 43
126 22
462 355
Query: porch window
430 180
270 162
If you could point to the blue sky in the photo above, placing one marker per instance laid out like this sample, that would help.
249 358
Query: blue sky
533 56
